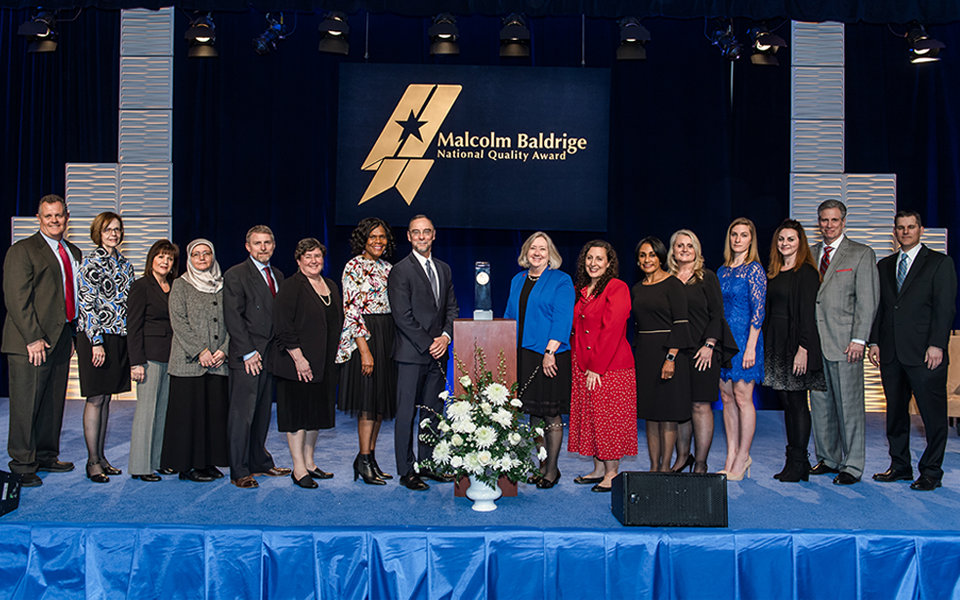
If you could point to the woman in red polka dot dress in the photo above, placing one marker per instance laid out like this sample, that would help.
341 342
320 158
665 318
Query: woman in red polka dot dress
603 402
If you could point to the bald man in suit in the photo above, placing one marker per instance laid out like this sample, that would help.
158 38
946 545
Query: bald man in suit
39 289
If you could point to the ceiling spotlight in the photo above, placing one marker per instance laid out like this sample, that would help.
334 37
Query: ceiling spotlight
336 33
40 32
923 48
201 36
724 39
514 37
267 41
633 38
444 34
765 45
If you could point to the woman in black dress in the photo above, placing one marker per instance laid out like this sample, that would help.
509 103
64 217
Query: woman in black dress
712 344
541 301
103 287
663 383
792 363
307 320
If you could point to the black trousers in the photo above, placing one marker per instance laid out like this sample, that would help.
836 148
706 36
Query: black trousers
248 422
930 389
417 384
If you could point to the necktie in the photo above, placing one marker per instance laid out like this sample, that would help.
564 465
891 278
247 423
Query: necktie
825 261
68 282
273 286
433 281
901 271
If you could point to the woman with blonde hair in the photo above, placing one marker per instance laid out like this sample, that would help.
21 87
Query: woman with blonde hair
744 286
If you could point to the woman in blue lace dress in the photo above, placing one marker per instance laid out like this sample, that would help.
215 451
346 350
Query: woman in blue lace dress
744 286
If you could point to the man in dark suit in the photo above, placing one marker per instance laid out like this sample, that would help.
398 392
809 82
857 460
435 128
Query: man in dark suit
909 343
424 307
39 289
248 292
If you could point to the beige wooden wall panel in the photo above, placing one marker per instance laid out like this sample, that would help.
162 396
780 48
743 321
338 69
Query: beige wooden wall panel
139 234
817 44
816 146
935 238
91 188
146 136
871 199
817 93
146 32
146 82
146 189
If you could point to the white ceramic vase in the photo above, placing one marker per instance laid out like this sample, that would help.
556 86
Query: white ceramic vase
484 496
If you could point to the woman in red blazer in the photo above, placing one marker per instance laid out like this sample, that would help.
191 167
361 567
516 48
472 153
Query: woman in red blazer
603 402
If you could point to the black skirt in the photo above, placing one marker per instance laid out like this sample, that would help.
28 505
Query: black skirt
308 406
704 385
195 434
544 396
113 377
376 395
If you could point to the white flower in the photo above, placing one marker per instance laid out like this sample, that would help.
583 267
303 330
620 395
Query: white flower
472 464
485 437
504 464
444 395
514 438
485 458
425 422
497 393
486 408
516 402
459 410
442 452
456 440
444 426
465 381
503 416
539 431
542 453
456 462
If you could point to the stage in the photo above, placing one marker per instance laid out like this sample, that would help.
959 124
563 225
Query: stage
73 538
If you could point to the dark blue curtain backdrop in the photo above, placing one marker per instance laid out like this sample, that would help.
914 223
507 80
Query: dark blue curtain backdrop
694 140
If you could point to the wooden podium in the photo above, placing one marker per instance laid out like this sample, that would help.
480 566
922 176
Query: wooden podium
492 337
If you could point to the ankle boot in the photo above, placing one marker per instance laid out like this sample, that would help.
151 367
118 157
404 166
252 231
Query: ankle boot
376 467
363 467
798 466
785 465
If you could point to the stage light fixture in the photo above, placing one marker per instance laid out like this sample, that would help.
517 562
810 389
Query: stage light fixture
923 48
202 36
724 39
633 38
336 33
40 32
267 41
514 37
765 45
444 34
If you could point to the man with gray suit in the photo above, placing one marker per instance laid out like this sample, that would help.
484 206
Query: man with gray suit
846 304
248 292
40 292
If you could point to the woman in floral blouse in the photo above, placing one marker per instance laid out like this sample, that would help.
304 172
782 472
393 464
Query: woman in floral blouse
368 381
104 283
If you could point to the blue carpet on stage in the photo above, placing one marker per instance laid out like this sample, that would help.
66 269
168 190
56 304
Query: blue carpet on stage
177 539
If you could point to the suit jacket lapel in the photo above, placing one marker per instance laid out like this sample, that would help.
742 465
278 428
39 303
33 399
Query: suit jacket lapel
914 270
422 274
259 285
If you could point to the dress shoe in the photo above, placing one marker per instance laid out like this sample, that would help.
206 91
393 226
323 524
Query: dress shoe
533 479
363 468
246 482
195 475
275 472
30 480
738 476
413 482
97 477
845 478
305 482
546 484
925 483
601 489
212 472
821 468
687 464
892 474
438 477
166 471
582 480
317 473
150 477
55 467
110 469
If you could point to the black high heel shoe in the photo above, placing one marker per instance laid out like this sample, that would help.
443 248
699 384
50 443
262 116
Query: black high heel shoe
377 469
546 484
688 464
97 477
109 469
305 482
318 473
363 467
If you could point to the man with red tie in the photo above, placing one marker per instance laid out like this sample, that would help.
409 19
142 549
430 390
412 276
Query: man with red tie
39 289
248 292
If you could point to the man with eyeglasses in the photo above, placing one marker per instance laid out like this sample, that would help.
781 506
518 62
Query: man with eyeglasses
424 307
40 292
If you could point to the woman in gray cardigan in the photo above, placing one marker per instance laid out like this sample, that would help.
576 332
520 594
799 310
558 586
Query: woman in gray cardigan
195 433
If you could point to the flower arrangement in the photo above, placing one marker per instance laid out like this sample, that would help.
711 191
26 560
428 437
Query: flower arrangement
482 432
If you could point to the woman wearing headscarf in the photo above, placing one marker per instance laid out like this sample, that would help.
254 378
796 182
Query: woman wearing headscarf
195 434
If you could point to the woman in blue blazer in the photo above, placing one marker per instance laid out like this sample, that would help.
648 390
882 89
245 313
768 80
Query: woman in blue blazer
541 301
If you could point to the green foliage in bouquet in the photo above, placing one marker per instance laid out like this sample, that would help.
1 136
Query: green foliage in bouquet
482 432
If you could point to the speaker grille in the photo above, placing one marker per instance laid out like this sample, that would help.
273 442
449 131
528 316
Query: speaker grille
670 500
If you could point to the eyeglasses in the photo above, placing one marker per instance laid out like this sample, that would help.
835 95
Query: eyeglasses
419 233
201 254
113 230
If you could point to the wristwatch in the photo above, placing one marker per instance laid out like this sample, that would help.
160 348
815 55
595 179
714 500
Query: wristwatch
548 351
671 357
709 345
